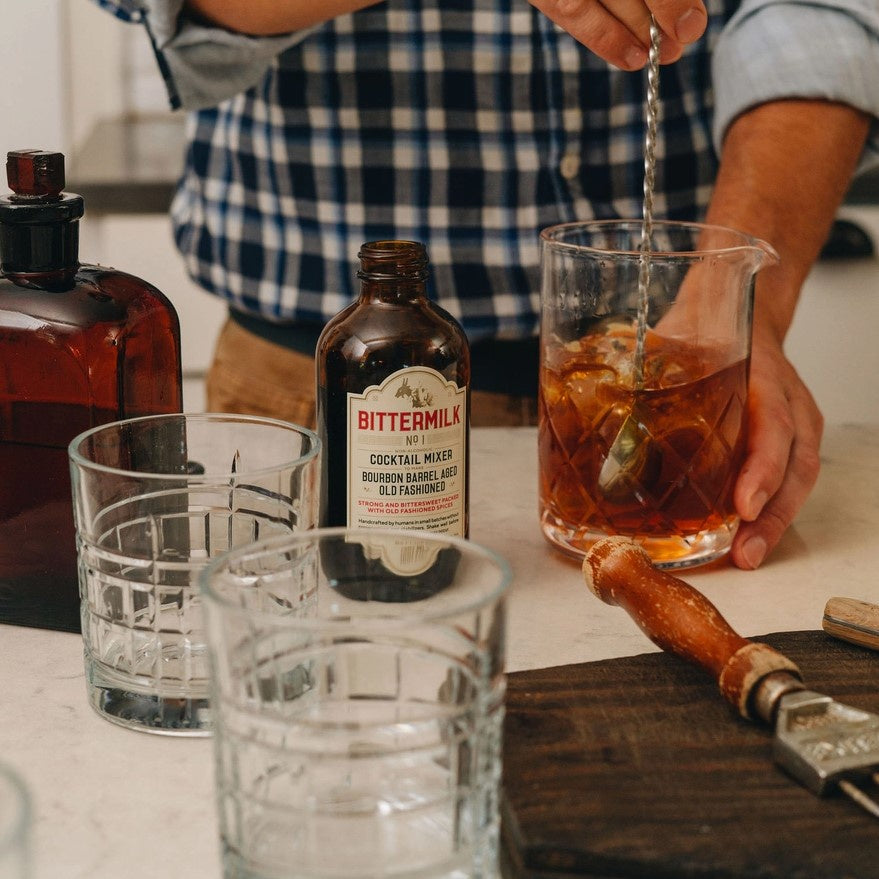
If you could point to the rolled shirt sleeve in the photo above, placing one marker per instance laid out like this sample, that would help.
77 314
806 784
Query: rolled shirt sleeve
781 49
202 65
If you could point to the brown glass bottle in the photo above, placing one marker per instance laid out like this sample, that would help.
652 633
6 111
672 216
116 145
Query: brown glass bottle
80 345
393 406
393 414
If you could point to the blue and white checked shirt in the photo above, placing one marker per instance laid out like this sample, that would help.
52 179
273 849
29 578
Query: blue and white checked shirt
466 124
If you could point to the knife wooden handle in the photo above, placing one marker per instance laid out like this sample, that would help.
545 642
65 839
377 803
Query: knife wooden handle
852 620
681 620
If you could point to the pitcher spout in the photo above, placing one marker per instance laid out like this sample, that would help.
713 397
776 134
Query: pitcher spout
765 255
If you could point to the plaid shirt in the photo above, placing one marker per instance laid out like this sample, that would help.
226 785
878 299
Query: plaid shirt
466 124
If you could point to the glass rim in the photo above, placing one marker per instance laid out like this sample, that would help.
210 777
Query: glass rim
81 461
276 544
21 816
551 237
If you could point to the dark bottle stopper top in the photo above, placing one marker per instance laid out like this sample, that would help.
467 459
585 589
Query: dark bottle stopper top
36 178
38 228
35 173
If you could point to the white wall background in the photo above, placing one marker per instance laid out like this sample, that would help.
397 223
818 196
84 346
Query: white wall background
67 65
33 106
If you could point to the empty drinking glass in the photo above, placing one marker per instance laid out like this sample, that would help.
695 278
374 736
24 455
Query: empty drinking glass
155 499
358 695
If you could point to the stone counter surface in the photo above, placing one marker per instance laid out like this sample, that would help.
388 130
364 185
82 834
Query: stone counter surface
112 803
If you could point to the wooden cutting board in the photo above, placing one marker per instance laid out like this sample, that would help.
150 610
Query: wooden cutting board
636 767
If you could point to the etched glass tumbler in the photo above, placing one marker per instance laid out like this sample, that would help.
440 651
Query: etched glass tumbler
358 693
643 393
155 499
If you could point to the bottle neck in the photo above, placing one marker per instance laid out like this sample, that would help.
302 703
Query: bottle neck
392 291
50 249
39 234
392 271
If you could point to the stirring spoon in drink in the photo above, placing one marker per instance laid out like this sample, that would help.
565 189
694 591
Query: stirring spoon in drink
632 449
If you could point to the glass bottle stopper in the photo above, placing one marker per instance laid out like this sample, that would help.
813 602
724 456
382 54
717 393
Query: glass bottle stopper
35 173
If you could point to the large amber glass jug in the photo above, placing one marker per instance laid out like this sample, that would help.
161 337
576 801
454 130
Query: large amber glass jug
643 389
80 345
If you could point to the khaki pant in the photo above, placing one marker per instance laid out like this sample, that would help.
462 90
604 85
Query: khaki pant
252 376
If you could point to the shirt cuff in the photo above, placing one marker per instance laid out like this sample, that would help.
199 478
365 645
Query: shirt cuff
780 49
204 65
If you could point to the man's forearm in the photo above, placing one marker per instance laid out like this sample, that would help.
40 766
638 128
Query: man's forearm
270 17
785 167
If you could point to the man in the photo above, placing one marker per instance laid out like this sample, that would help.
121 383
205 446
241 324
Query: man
470 125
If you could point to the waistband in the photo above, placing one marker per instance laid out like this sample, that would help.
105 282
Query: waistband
501 366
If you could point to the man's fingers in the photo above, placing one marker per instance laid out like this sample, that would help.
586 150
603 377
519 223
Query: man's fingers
591 24
616 30
636 17
783 462
755 540
771 441
683 20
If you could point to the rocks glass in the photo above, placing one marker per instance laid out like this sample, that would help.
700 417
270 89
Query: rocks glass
358 695
155 499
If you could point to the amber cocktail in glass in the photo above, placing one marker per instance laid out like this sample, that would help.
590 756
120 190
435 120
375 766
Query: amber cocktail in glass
643 429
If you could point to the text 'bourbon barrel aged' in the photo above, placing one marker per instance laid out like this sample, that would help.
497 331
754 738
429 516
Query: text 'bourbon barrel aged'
393 376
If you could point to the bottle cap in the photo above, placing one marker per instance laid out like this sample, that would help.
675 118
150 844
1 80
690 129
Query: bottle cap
38 232
32 173
36 178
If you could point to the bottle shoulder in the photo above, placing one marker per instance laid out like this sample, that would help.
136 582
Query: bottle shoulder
371 325
123 287
94 295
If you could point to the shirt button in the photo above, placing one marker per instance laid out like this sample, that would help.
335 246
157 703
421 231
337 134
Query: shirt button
569 166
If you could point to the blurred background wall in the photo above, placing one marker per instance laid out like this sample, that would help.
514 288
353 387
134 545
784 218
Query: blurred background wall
80 81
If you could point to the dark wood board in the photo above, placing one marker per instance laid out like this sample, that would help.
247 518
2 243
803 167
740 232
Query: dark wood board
636 767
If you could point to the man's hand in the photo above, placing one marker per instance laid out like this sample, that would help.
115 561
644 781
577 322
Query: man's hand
783 452
767 153
619 30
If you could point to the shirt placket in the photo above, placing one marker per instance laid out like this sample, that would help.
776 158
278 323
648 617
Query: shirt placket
572 157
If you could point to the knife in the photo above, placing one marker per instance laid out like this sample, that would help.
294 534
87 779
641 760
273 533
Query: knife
852 620
823 744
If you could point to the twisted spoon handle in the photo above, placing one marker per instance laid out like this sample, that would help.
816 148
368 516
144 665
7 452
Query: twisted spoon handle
681 620
647 212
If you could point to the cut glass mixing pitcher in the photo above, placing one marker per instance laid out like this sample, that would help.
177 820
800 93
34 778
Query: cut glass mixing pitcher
645 441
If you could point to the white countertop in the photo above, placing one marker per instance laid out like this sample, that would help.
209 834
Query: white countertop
109 802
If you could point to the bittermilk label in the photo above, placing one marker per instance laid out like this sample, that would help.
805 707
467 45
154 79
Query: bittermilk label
407 451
